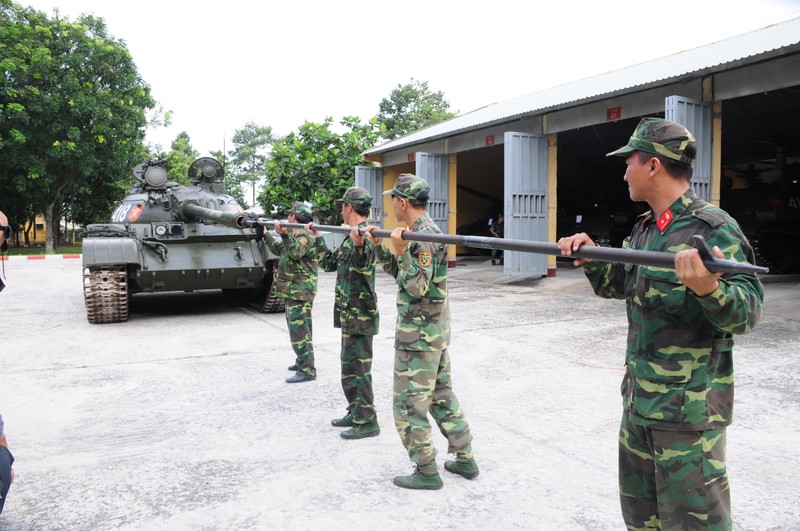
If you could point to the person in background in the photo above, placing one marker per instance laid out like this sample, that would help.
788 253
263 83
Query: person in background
497 231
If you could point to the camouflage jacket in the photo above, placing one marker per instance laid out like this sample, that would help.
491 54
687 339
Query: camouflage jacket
679 360
356 307
423 313
296 278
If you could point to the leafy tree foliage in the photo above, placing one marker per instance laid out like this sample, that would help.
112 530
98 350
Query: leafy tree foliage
316 164
412 107
252 145
180 157
72 114
232 187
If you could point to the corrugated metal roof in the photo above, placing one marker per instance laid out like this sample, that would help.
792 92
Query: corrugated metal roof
663 70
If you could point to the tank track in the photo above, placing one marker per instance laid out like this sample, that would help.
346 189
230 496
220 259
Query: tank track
105 291
272 304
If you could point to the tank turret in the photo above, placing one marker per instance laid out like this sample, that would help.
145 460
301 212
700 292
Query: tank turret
163 236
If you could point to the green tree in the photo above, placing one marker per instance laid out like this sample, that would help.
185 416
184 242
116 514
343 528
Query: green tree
252 145
232 187
72 112
317 165
412 107
180 157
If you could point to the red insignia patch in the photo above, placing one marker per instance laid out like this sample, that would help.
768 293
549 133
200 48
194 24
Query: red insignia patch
424 259
665 220
134 214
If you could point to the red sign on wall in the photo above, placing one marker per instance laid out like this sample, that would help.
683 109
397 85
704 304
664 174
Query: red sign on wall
490 140
410 157
614 113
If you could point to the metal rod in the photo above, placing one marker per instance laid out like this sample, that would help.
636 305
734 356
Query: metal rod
665 260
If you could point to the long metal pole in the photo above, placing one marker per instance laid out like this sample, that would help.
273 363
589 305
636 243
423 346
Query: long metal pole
603 254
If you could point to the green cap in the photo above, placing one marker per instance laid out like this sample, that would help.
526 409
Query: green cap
301 210
411 188
358 197
660 137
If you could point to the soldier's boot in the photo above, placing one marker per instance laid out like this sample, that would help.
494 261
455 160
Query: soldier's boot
300 377
467 468
343 422
292 367
419 480
361 431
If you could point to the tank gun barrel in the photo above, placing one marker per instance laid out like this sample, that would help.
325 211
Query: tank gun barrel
192 211
602 254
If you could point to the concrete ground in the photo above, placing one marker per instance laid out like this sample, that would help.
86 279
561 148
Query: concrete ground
180 418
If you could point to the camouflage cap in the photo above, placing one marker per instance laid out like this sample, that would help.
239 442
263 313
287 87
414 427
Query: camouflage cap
301 209
660 137
358 197
410 187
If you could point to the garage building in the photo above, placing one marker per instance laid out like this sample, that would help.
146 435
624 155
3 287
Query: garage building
540 158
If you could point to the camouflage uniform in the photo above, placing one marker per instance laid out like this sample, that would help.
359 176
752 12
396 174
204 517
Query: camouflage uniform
296 282
677 391
422 381
355 312
497 230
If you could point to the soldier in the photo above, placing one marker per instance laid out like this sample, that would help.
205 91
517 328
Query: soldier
296 283
497 231
677 391
355 311
422 365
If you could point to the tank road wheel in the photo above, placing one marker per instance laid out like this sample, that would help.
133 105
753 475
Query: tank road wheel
271 304
105 290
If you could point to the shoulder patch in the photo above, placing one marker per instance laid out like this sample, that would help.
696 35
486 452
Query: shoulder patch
424 259
713 216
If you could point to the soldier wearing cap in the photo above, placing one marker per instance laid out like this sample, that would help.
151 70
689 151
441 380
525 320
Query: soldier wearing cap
677 391
296 283
422 382
355 311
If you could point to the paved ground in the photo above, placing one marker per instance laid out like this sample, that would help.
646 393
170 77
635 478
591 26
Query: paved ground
180 419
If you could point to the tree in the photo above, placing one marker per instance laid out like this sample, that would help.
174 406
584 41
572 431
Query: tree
317 165
232 187
72 111
412 107
252 145
180 157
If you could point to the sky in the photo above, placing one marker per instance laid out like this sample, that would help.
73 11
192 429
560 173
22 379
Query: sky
219 65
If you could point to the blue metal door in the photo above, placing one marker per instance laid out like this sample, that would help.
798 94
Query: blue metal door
696 117
371 178
525 204
433 169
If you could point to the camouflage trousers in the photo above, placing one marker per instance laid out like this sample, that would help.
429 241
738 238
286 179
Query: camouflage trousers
298 318
357 377
421 386
673 479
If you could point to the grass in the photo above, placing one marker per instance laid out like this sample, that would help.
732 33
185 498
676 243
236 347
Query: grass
36 249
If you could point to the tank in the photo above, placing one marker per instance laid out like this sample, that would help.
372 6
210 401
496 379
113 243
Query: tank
166 237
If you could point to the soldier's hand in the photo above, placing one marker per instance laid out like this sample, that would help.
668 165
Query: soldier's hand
398 242
570 244
311 231
693 274
280 229
355 235
368 233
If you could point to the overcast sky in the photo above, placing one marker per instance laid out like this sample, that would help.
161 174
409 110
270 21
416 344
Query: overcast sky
218 65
